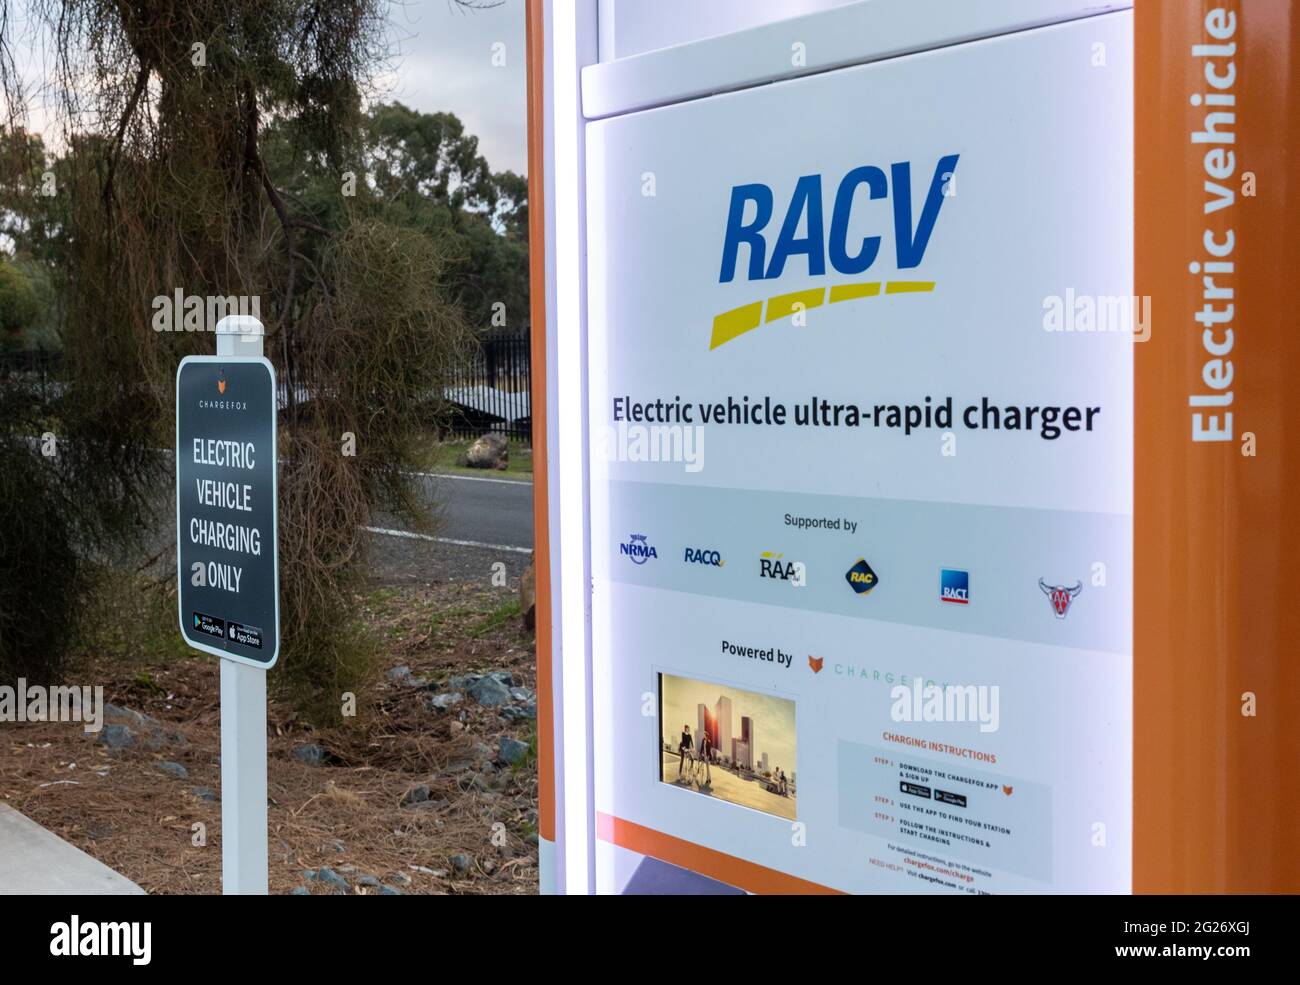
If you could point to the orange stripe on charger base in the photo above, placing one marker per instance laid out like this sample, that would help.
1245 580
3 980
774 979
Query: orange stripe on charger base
725 868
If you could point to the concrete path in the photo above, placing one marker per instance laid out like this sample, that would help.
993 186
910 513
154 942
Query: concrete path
34 862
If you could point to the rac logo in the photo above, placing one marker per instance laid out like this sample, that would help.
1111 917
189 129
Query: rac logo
769 248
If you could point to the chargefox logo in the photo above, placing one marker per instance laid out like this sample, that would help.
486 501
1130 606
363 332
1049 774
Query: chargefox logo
752 207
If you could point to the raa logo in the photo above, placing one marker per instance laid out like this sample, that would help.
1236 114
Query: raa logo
771 566
860 577
637 549
806 212
816 663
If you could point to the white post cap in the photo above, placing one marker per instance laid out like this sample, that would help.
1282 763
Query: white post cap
245 325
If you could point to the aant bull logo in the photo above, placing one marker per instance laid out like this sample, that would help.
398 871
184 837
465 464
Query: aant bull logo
1060 596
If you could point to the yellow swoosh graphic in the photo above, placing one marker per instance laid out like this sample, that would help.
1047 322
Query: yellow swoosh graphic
736 322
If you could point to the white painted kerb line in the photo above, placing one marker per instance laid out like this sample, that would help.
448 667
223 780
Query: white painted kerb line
411 535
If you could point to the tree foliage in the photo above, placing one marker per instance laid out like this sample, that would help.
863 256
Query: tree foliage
207 144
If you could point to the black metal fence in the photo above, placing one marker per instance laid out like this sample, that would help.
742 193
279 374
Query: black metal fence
33 372
38 363
492 391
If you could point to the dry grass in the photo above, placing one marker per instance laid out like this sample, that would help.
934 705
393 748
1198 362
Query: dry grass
123 809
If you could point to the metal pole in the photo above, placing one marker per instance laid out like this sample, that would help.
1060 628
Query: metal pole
243 716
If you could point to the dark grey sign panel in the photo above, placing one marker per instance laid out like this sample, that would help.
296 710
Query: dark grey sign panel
227 564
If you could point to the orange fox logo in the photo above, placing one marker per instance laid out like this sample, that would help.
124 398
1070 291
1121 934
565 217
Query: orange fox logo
1007 790
816 664
221 386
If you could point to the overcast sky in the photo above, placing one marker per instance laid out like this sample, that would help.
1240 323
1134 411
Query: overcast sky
445 62
442 60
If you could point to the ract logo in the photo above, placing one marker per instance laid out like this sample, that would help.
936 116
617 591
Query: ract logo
806 209
637 549
713 558
751 211
954 586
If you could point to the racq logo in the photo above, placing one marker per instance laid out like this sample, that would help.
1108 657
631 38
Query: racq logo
750 216
637 549
711 558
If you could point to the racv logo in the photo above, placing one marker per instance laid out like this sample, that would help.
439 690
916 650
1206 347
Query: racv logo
802 236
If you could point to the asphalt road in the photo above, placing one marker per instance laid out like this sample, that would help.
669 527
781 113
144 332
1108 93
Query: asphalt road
479 522
490 511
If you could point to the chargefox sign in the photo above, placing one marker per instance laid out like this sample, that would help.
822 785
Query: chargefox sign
226 516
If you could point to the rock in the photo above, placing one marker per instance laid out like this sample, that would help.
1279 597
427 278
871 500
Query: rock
491 451
503 677
463 682
521 694
460 863
520 713
174 769
489 691
401 878
418 794
531 839
390 891
368 881
441 702
528 595
513 751
300 891
117 737
129 729
472 758
312 755
127 716
402 675
329 877
204 793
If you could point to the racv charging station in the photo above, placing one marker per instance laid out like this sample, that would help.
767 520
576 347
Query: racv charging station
901 370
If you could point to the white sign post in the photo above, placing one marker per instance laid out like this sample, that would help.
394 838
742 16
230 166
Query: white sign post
243 716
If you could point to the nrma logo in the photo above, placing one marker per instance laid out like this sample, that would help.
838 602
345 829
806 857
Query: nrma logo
637 549
803 234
